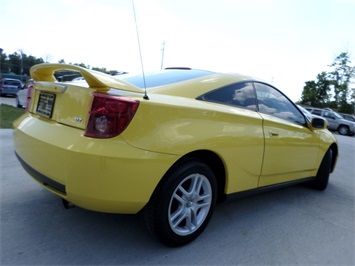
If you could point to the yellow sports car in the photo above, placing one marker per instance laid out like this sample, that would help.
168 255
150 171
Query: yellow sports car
167 144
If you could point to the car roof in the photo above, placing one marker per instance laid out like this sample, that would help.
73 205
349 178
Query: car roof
10 79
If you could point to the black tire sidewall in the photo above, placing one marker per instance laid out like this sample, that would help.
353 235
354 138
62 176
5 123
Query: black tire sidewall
322 178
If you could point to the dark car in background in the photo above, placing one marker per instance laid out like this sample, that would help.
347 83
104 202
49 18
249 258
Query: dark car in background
10 86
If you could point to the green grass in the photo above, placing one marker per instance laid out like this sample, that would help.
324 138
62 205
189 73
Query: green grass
8 114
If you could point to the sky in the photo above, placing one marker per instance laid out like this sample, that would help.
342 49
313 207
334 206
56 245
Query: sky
282 42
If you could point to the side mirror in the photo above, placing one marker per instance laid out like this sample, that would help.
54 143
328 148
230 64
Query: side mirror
318 123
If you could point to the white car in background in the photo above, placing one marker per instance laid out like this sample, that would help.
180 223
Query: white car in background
21 97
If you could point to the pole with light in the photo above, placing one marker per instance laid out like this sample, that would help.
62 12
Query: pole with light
21 70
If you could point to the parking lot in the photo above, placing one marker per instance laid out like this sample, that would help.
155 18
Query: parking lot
8 100
291 226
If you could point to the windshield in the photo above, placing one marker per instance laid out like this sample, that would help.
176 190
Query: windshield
12 82
338 115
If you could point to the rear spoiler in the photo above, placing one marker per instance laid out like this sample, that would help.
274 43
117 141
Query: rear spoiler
95 79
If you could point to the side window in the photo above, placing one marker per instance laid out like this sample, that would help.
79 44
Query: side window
328 115
238 94
273 102
317 112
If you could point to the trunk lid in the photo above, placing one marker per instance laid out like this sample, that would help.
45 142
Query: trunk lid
69 102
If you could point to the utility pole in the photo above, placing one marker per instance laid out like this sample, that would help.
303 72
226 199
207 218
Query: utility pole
21 70
162 55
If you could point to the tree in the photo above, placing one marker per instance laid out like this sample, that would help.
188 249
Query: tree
20 63
318 93
309 94
101 69
4 63
81 65
15 63
28 62
323 88
341 77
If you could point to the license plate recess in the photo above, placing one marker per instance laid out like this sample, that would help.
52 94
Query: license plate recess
45 104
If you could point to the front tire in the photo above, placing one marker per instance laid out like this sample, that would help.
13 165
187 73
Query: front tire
322 178
343 130
183 204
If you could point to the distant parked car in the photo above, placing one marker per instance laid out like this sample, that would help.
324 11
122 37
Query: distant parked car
335 121
10 86
348 117
21 97
307 113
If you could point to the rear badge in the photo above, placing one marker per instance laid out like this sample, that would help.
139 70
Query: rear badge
78 119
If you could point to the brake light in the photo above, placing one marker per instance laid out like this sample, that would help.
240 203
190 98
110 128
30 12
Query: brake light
29 96
109 115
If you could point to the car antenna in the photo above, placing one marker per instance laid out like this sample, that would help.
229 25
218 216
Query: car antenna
140 53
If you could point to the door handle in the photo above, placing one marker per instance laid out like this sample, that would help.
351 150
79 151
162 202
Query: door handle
273 133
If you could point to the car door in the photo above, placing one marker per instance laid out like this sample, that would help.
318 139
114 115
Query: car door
332 122
291 148
243 131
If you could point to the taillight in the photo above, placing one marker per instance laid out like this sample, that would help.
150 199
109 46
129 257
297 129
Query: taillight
29 96
109 115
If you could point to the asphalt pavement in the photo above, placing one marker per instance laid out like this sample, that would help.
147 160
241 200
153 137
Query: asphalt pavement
290 226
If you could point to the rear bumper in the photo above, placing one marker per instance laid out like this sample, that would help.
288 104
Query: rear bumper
105 175
9 91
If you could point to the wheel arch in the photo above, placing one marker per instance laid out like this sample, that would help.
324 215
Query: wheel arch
212 160
217 166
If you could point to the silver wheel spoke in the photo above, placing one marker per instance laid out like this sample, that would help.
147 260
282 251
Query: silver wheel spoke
203 205
197 183
191 221
190 204
178 217
179 199
185 193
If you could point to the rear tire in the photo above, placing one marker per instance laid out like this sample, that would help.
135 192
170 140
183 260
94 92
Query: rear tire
183 204
322 178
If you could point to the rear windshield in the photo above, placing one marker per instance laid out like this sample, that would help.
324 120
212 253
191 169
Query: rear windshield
164 77
12 82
